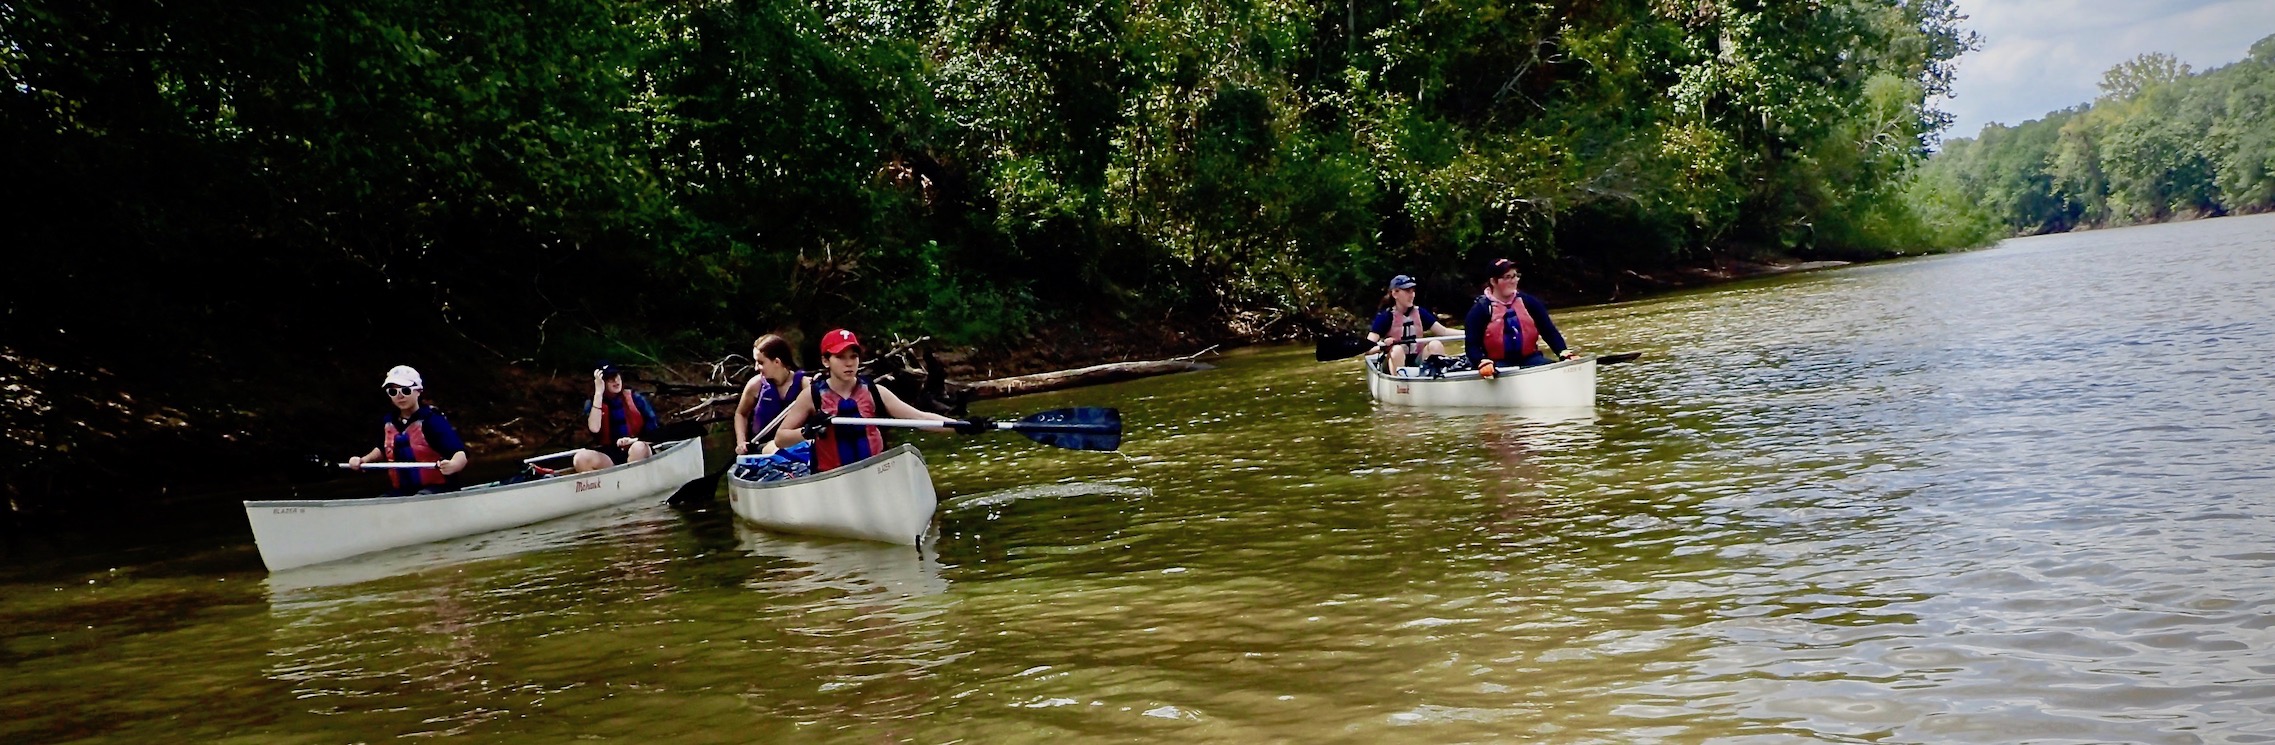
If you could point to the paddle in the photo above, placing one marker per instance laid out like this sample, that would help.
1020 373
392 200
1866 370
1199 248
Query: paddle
437 464
1080 428
1614 359
1345 346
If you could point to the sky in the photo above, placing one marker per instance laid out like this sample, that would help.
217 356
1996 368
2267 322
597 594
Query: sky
2038 56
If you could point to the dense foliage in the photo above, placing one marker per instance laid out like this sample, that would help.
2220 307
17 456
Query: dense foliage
219 202
2160 143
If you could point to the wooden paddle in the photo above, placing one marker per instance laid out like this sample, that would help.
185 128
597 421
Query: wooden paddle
1079 428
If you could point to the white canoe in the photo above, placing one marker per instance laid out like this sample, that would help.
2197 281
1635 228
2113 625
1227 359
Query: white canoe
299 532
887 497
1568 384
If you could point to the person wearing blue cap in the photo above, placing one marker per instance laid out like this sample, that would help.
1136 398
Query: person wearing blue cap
1401 323
620 421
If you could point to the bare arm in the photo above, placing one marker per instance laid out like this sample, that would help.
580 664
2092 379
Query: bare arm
793 419
742 414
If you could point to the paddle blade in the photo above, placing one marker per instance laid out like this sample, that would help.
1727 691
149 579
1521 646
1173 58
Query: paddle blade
1614 359
1341 347
1080 428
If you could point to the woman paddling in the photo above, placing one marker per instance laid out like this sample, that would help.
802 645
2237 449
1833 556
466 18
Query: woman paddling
414 433
1401 322
845 392
768 393
1506 327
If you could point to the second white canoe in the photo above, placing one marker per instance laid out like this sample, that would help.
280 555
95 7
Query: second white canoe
1568 384
887 497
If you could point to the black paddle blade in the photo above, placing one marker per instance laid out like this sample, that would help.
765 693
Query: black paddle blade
1614 359
1341 347
1080 428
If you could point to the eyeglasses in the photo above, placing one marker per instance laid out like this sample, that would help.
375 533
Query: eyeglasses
1511 275
396 390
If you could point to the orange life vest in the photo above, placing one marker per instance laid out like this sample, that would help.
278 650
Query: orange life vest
1499 334
408 444
1404 330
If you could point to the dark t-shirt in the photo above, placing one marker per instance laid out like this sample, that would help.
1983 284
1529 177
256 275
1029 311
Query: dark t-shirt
1382 322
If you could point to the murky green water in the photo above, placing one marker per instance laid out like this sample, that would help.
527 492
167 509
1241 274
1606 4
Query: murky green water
2020 494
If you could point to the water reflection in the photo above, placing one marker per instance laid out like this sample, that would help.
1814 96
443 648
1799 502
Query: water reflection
594 526
829 571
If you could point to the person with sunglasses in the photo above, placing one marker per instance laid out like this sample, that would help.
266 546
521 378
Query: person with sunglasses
620 421
1508 328
415 433
768 393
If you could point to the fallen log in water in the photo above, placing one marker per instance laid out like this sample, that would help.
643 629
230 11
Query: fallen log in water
1093 375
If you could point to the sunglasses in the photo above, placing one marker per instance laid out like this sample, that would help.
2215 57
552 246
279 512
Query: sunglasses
396 390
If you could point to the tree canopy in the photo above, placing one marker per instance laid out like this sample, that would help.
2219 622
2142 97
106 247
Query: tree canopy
2159 143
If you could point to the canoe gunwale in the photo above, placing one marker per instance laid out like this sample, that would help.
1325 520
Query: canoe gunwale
475 490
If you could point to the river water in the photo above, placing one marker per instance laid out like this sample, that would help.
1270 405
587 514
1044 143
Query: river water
2020 494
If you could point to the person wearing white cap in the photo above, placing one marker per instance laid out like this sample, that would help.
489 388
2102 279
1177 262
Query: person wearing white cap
414 433
1401 322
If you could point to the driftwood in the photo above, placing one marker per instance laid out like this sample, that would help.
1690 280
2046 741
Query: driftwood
1092 375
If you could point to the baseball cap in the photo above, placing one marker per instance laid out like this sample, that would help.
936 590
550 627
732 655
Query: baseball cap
837 340
403 375
1402 282
607 369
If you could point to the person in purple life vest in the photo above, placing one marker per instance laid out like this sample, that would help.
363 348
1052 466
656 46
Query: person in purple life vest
414 433
619 421
1507 328
845 392
768 393
1401 322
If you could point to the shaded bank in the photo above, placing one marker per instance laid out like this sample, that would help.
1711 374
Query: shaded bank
96 451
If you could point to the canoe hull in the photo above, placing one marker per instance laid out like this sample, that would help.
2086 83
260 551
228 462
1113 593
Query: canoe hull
299 532
1568 384
887 498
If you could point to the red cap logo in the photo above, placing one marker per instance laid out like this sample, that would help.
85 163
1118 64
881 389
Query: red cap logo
837 340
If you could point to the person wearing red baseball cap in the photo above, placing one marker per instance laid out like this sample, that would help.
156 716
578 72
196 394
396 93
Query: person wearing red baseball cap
846 392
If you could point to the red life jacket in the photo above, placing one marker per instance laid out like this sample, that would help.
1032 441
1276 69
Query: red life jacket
1497 330
833 450
418 451
1405 330
633 422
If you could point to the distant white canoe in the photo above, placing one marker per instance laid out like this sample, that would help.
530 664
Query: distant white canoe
887 497
1567 384
299 532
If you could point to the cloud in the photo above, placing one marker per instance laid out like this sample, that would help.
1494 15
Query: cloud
2042 55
